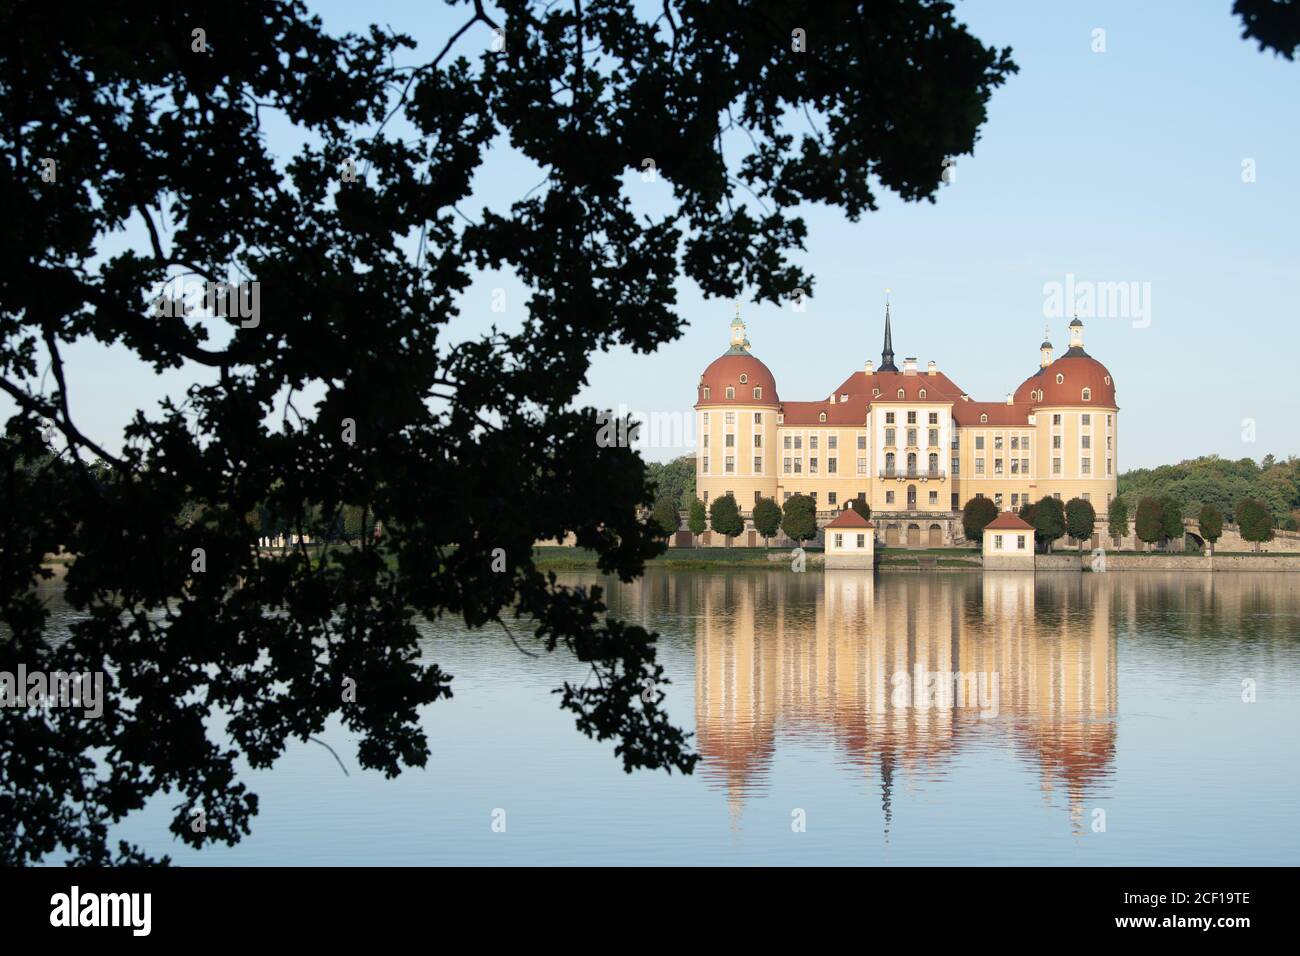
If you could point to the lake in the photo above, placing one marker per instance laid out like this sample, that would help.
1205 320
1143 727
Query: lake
917 718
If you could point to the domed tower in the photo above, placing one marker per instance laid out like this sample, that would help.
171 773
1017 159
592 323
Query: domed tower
1076 419
735 417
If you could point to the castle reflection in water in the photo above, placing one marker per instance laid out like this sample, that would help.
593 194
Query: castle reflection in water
846 663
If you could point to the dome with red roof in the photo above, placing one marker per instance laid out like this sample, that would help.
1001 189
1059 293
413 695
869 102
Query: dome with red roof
1076 378
736 377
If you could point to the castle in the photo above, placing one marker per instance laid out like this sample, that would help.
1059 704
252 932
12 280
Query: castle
909 441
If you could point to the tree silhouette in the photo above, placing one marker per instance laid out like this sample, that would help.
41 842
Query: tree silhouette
333 372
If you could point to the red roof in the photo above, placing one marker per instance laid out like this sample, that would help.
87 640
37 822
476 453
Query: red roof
852 412
1078 371
848 518
999 413
1008 521
725 370
938 387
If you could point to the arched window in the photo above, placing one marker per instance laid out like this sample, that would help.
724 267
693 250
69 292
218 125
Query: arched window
984 419
911 462
889 462
934 463
706 391
744 378
900 393
821 417
923 393
1087 394
731 391
1060 379
1107 379
758 391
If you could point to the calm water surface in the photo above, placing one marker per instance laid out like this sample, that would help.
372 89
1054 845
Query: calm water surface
1105 725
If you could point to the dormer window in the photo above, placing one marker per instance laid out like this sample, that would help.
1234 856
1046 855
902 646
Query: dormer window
1107 379
744 379
758 391
731 391
900 393
1060 379
923 393
821 417
1087 394
984 419
875 393
780 419
706 392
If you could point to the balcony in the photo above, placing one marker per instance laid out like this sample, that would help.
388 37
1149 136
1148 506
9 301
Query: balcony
914 474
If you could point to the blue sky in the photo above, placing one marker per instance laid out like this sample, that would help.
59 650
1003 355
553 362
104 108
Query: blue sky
1120 166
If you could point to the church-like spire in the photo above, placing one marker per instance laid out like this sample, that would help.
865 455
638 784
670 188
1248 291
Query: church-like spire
887 354
739 340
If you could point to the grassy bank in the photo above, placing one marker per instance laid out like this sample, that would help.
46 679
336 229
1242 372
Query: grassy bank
578 559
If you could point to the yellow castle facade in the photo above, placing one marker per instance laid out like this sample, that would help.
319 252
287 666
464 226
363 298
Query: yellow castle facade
908 441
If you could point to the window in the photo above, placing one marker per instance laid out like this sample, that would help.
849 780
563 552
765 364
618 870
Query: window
821 417
889 462
1015 500
706 439
984 419
1085 496
1056 466
758 464
979 442
758 441
798 441
786 496
706 393
758 391
1015 443
997 442
706 464
934 463
956 502
798 466
921 394
911 418
730 418
743 378
758 418
1108 445
706 498
889 497
830 497
706 419
731 391
997 466
1087 394
1015 466
788 441
934 497
1085 466
997 499
1057 496
1087 419
997 542
813 496
889 418
788 465
812 466
1020 542
1024 466
862 466
832 465
900 393
934 437
979 466
758 496
839 540
956 443
1108 420
729 439
862 443
934 418
1060 379
730 465
1056 419
1108 467
832 441
1087 441
862 541
1056 441
812 441
956 466
911 438
889 437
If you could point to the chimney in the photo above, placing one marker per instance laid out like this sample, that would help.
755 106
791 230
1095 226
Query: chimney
933 369
870 367
909 366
